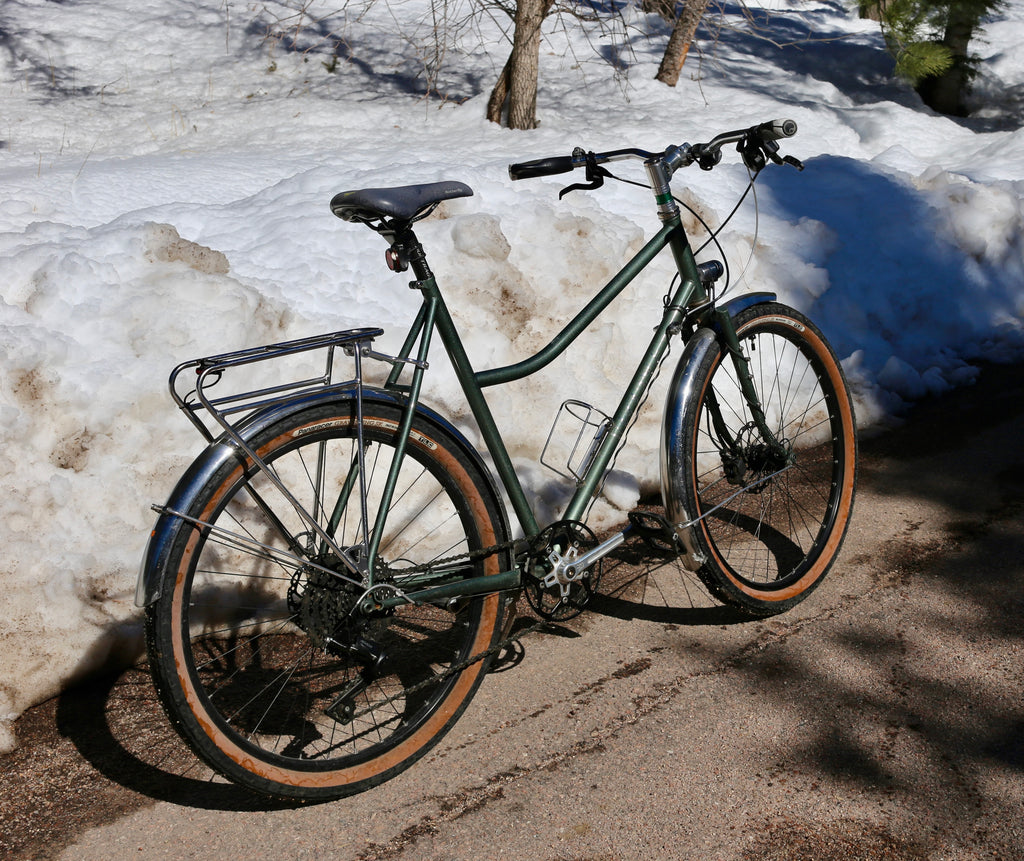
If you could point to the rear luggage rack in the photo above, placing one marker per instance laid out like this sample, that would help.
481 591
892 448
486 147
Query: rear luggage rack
209 372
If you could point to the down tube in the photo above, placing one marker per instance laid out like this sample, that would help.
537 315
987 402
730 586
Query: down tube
623 416
689 289
473 383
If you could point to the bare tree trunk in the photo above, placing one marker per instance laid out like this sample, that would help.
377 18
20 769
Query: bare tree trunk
873 10
518 80
499 95
679 42
665 8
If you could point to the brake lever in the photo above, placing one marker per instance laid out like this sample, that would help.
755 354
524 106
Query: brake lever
787 159
756 153
595 174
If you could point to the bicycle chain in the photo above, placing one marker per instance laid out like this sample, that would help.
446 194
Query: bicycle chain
471 556
481 656
405 693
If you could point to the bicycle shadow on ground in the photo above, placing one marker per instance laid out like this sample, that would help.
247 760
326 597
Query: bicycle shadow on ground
643 583
101 750
118 726
906 694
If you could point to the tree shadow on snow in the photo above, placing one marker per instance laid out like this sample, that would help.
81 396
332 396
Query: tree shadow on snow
896 283
36 68
393 64
805 42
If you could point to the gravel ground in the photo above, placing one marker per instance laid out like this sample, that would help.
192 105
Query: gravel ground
881 719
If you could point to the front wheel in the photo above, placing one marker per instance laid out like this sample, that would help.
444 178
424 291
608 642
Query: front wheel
260 654
772 508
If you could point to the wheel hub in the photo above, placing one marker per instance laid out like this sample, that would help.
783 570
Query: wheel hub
752 462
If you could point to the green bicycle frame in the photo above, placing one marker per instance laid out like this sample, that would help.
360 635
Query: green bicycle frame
434 316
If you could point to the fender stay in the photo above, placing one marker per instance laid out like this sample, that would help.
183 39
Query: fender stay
202 469
682 391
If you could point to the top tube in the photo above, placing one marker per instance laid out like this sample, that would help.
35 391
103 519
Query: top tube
573 329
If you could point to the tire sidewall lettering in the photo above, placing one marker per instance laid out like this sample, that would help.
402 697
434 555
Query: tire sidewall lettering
382 424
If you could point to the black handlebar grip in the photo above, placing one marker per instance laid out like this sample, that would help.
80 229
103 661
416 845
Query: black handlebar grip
541 167
776 129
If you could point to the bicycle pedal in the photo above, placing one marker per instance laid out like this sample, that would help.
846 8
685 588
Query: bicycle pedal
655 530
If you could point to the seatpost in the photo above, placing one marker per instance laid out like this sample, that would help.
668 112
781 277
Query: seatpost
415 255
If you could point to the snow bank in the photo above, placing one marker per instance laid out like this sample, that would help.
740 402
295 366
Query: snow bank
167 198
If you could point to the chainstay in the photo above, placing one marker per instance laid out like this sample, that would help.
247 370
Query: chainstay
455 669
471 556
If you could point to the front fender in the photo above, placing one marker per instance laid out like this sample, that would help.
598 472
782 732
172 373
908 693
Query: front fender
683 391
202 469
747 300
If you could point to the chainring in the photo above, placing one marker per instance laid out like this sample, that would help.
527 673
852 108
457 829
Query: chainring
550 592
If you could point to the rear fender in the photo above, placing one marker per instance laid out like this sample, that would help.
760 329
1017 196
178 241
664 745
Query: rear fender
205 466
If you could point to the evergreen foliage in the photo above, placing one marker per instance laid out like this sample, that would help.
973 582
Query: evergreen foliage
929 40
913 29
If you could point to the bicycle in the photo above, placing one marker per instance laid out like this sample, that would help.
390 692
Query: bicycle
330 580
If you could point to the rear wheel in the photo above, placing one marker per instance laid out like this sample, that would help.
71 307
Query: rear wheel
773 511
261 660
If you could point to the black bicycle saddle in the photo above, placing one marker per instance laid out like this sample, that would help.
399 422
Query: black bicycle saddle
402 203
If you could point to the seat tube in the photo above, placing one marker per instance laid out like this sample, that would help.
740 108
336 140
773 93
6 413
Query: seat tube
440 317
484 418
425 326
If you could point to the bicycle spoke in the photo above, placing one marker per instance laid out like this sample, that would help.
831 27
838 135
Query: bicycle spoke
767 505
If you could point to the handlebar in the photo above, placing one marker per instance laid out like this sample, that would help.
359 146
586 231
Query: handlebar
542 167
756 144
777 129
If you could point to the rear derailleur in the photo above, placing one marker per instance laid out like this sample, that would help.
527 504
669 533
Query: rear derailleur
324 606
